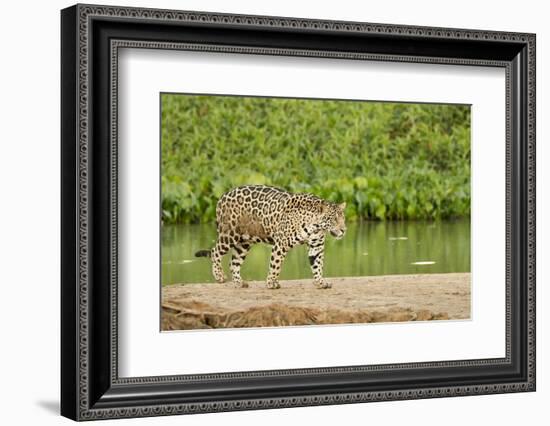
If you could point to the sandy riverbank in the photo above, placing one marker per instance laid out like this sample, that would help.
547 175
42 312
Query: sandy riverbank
387 298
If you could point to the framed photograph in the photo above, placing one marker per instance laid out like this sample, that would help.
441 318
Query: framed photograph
263 212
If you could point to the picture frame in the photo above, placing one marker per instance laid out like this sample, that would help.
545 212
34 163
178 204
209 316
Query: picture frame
90 384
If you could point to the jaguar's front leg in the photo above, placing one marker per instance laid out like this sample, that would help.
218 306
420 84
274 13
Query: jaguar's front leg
316 253
278 253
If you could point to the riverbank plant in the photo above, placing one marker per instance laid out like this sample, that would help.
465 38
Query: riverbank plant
386 160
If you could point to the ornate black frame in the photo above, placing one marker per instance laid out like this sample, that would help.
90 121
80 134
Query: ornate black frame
90 38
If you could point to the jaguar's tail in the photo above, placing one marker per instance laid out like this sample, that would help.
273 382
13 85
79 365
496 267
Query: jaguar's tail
203 253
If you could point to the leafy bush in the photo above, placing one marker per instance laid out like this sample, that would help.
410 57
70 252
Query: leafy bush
386 160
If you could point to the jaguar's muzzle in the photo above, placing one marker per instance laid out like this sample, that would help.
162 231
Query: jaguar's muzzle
337 234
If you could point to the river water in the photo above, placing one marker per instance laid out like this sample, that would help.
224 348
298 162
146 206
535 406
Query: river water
368 248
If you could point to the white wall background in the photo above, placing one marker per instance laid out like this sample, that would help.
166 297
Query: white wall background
29 214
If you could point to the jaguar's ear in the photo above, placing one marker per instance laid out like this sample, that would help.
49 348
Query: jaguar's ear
342 206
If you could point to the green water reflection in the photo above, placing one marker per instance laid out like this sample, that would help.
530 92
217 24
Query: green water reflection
368 248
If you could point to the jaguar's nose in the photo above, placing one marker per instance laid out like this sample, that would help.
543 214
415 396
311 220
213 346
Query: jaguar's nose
339 235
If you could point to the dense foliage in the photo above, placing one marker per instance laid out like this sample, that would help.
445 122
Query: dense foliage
386 160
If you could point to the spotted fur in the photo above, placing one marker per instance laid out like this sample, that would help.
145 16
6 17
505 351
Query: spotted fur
262 214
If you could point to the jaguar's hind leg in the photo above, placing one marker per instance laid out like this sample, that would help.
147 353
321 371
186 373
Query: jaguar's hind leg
220 248
240 250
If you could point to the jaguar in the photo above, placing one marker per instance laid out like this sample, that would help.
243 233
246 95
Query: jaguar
253 214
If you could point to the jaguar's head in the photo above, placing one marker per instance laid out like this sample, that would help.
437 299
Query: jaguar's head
336 220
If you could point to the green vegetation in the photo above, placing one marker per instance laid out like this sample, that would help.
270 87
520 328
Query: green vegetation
386 160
